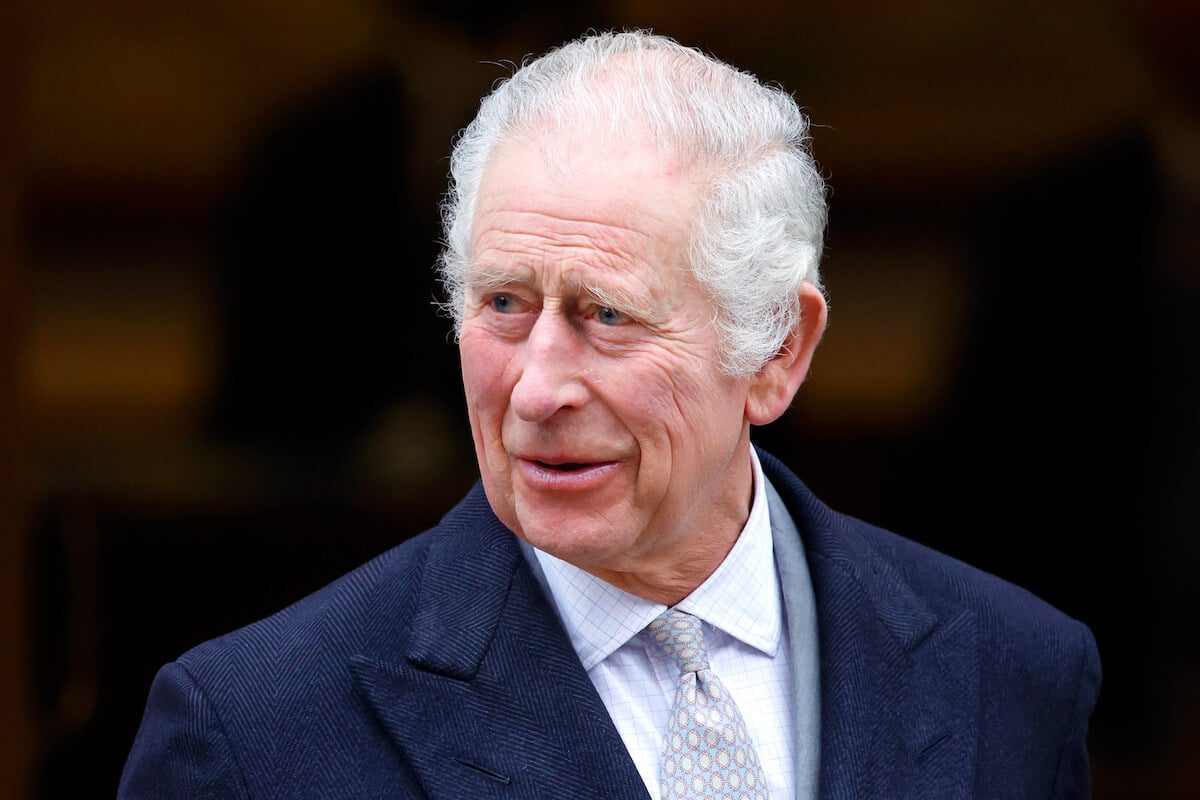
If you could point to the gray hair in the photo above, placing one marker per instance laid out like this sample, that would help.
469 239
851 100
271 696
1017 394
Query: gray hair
758 233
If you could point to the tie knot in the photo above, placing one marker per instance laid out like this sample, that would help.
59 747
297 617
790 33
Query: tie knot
679 636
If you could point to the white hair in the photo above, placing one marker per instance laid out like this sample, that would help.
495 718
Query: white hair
758 233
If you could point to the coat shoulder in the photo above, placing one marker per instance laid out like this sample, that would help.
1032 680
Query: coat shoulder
1010 617
260 710
339 617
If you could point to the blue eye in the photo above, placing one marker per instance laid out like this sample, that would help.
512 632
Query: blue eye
610 316
502 303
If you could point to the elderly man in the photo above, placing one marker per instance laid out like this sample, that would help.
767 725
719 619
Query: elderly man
635 602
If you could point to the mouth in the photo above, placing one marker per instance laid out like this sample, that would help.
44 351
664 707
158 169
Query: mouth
565 473
564 466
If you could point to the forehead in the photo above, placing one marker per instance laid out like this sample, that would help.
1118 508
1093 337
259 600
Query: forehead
575 198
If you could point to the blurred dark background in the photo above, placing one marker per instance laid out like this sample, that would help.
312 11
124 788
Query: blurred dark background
223 380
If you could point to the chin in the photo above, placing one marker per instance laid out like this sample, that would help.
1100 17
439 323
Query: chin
583 548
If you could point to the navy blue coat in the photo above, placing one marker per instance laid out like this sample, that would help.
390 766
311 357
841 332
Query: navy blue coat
439 670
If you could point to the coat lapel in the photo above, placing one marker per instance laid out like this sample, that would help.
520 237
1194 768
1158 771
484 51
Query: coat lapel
481 690
898 684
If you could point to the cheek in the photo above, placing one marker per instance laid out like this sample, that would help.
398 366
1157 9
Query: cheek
675 401
696 413
484 382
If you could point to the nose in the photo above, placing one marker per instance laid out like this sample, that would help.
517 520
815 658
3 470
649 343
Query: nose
551 370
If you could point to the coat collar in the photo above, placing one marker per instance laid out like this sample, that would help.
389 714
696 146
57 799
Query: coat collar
479 688
898 684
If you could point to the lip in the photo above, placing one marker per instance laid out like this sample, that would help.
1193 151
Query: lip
550 473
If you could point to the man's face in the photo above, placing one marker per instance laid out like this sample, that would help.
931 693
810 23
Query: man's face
606 432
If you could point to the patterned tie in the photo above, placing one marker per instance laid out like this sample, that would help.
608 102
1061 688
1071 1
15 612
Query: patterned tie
707 753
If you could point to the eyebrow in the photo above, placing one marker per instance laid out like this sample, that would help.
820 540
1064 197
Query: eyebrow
637 305
619 299
482 277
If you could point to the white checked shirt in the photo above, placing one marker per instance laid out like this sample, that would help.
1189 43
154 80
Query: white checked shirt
741 605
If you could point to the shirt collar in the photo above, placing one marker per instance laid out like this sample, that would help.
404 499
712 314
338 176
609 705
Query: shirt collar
742 597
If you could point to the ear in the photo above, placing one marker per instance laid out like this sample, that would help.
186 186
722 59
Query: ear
773 387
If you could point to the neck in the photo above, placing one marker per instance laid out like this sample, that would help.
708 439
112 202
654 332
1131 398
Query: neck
668 587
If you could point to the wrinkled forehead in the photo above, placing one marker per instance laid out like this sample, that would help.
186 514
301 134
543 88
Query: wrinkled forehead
625 179
591 208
